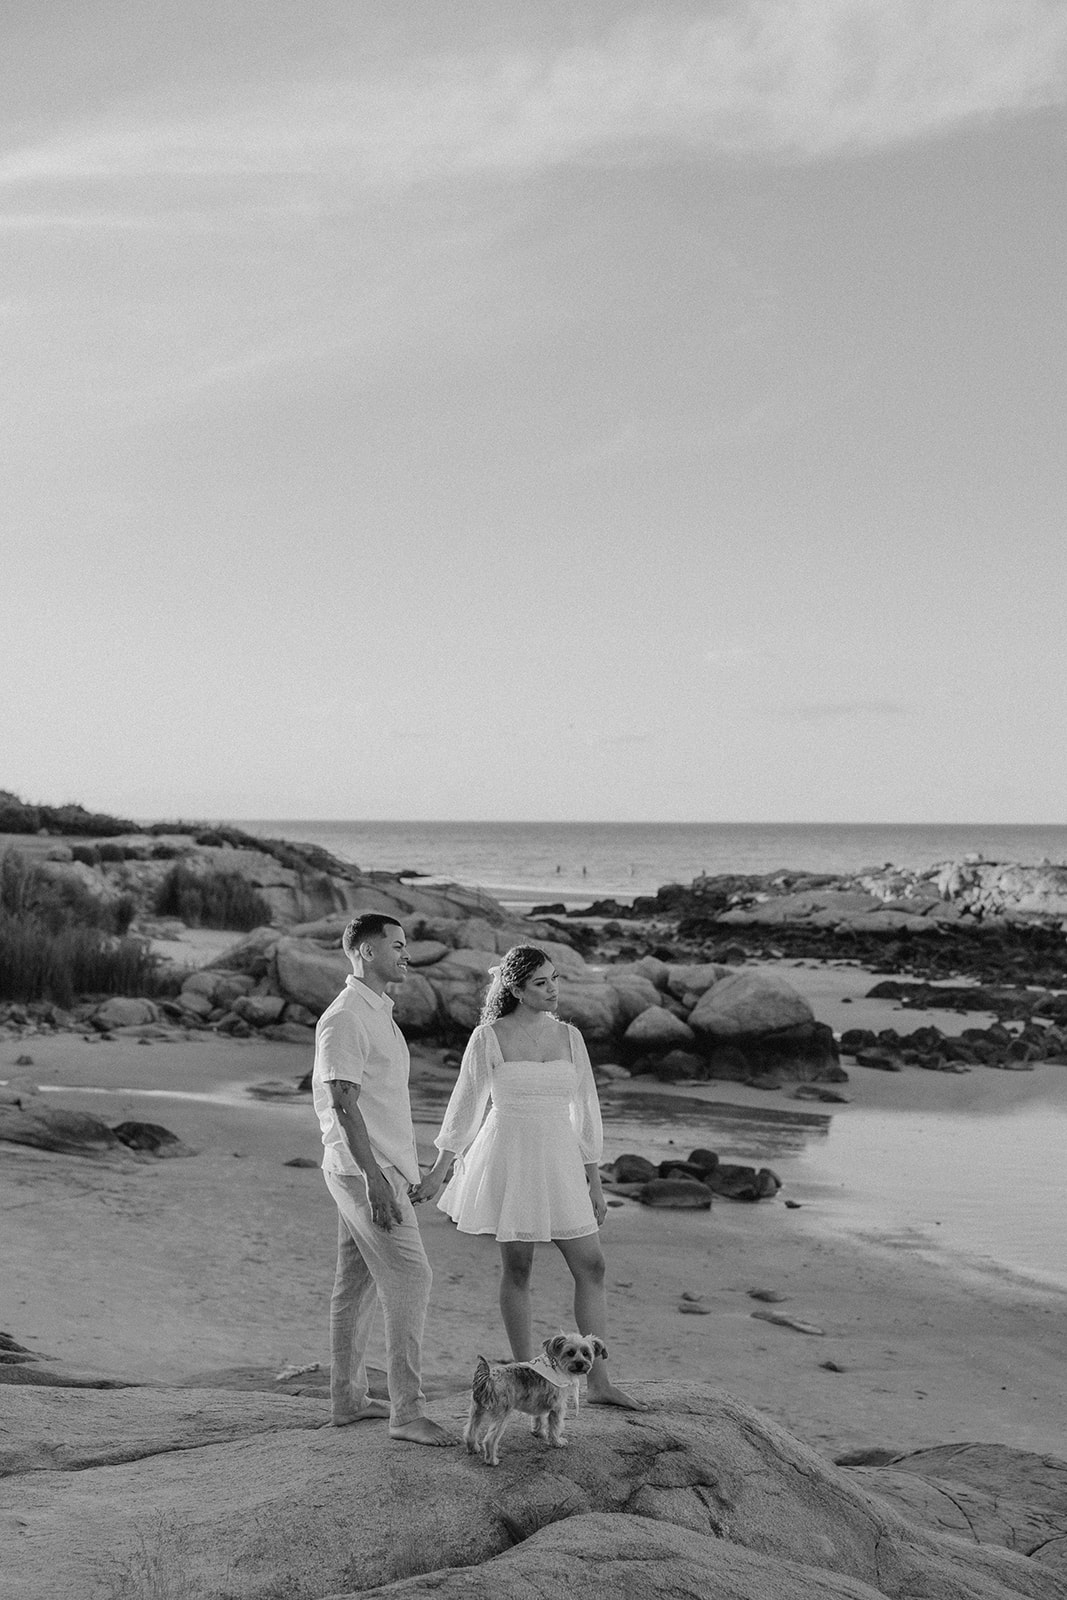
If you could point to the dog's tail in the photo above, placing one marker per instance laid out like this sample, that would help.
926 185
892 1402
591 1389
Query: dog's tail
481 1386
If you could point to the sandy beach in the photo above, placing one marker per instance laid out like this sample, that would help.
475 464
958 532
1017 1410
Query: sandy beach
162 1271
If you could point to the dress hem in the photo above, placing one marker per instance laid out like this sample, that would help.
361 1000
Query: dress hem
526 1238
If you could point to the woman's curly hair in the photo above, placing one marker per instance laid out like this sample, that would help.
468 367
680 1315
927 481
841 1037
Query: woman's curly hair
520 963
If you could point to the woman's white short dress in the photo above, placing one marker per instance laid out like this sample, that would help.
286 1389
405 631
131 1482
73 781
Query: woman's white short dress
521 1171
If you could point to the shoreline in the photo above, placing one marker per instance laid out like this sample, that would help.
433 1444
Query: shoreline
162 1271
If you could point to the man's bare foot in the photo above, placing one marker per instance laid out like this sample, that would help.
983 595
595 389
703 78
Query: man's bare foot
420 1430
606 1394
369 1411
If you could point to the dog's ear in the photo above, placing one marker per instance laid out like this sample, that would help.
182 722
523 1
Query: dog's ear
554 1347
599 1347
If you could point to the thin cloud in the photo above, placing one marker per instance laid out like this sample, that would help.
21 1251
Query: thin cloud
842 710
793 79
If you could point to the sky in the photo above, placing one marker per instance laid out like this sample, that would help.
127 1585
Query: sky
446 409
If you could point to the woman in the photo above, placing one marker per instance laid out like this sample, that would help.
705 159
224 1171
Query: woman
529 1173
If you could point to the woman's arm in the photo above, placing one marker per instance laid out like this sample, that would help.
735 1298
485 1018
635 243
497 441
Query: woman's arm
464 1113
585 1107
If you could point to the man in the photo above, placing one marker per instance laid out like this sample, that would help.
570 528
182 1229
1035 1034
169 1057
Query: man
360 1089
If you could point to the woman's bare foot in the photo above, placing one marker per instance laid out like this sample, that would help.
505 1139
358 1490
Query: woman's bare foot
605 1393
420 1430
369 1411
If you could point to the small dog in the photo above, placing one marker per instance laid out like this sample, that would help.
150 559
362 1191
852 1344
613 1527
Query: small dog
539 1388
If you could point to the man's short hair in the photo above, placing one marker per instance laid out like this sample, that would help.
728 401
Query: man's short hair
368 926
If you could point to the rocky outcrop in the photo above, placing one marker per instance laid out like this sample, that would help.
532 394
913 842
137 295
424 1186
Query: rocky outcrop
77 1133
699 1495
679 1013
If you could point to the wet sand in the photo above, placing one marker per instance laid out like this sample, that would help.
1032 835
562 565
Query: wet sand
163 1270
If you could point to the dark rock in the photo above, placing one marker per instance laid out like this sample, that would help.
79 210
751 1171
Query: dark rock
676 1066
880 1060
854 1039
301 1161
734 1182
681 1169
630 1168
67 1132
729 1063
151 1138
676 1194
706 1160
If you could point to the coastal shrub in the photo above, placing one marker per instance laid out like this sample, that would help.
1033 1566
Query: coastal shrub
211 900
87 854
58 902
59 941
37 963
16 816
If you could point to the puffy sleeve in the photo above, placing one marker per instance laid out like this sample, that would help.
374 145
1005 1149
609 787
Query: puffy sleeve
466 1108
585 1107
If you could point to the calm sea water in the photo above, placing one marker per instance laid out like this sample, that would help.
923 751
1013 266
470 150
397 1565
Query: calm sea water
570 860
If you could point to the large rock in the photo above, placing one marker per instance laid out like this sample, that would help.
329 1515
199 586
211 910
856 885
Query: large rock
656 1031
567 962
748 1003
698 1496
120 1012
696 979
475 933
308 974
74 1133
983 1492
464 966
424 952
594 1007
636 993
651 967
415 1007
259 1010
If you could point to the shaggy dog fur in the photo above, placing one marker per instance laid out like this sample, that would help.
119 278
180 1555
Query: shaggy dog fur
500 1389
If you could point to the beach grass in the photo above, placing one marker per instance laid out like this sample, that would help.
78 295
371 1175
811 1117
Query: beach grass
58 941
211 900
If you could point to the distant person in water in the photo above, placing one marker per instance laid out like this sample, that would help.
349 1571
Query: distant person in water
360 1089
529 1173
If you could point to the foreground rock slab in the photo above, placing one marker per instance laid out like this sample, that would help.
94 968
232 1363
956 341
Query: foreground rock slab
121 1494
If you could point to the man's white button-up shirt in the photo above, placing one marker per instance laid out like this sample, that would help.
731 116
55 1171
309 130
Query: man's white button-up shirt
357 1039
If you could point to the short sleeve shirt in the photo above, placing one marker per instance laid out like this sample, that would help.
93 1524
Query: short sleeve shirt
357 1039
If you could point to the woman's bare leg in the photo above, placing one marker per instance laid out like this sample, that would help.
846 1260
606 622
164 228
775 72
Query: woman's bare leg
585 1259
516 1264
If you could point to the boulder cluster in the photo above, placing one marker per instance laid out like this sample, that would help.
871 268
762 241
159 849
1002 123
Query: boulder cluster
689 1183
676 1021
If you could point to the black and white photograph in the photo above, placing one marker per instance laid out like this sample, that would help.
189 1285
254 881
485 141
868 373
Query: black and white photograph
533 808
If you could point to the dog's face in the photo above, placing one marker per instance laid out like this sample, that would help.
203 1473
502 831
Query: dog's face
572 1354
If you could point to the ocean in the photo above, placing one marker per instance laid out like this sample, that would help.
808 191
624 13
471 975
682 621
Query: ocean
525 862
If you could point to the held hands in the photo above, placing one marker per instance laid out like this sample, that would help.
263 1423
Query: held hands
432 1181
384 1209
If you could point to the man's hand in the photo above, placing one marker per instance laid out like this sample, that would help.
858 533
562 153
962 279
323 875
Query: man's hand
432 1181
384 1208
